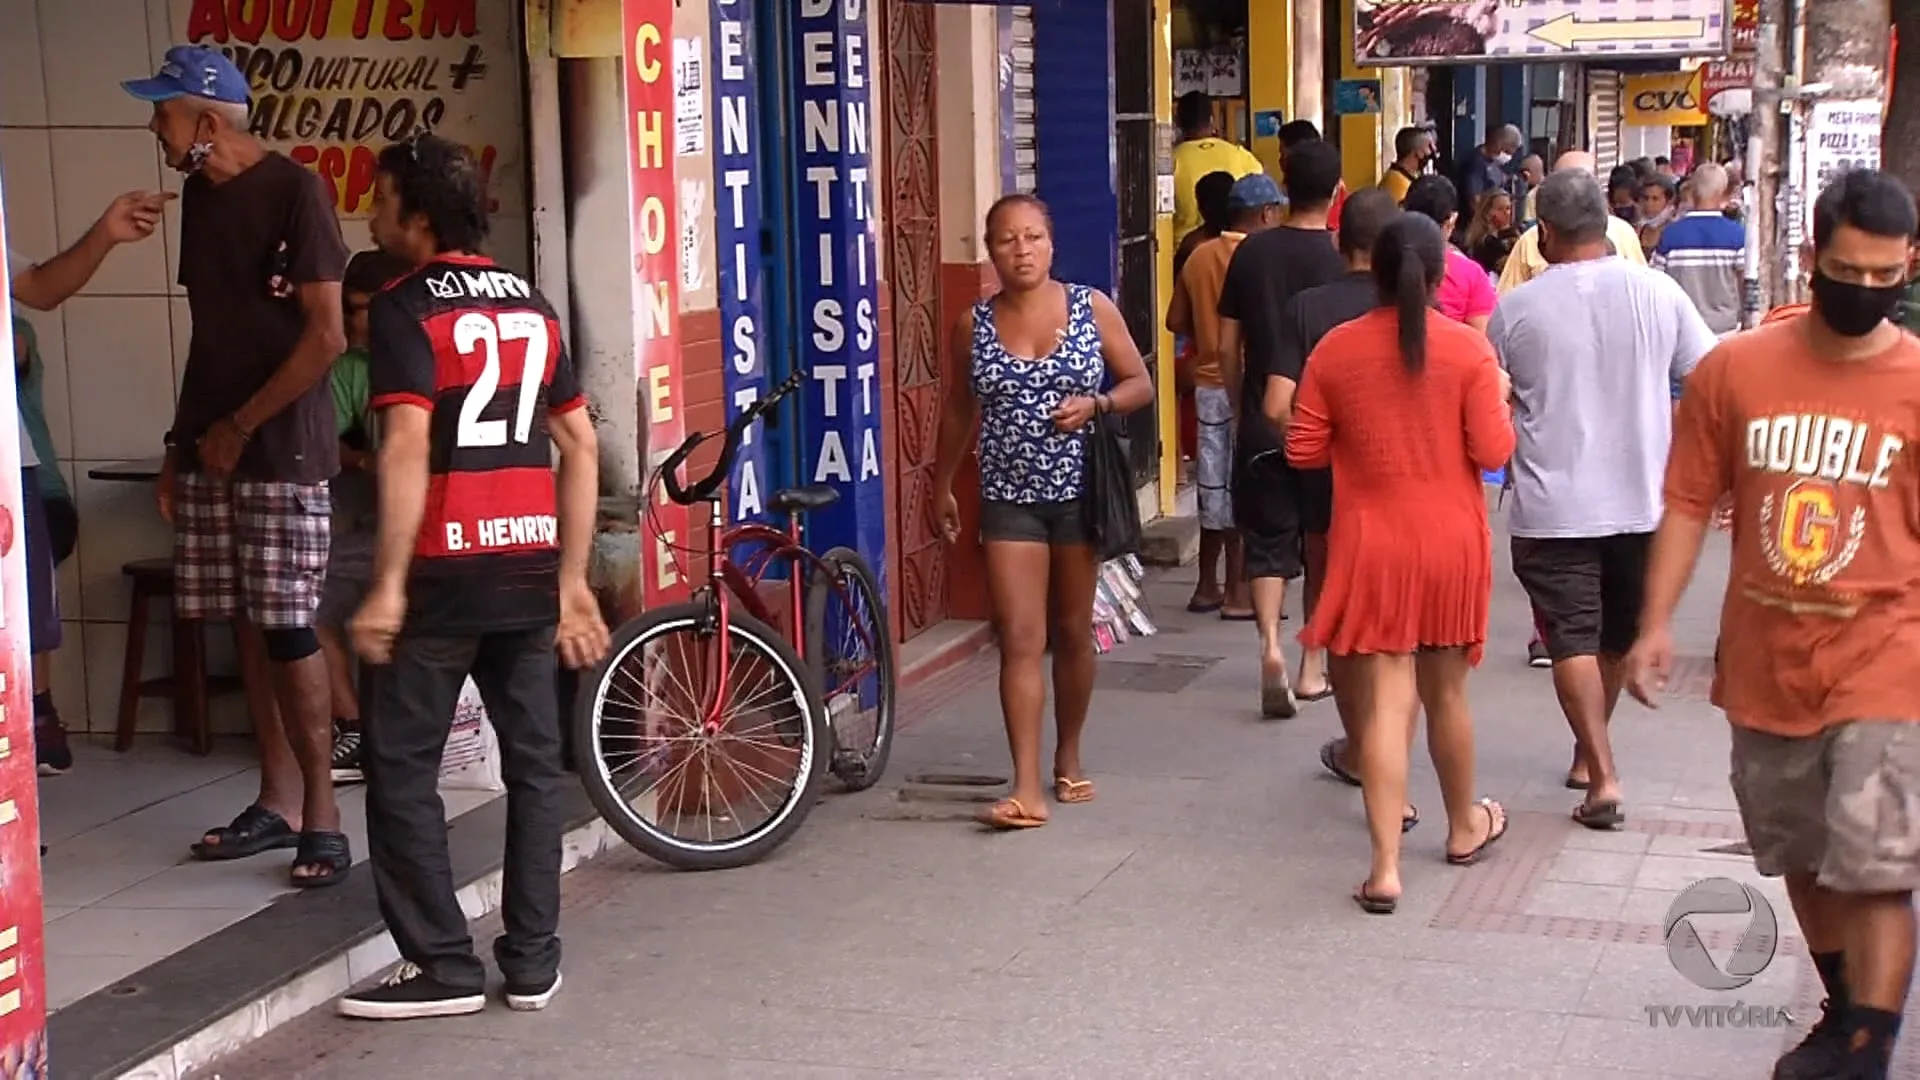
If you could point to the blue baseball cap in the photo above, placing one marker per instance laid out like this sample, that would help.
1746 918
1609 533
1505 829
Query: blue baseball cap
1255 191
193 71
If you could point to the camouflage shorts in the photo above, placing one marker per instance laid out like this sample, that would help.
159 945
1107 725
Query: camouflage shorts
1843 805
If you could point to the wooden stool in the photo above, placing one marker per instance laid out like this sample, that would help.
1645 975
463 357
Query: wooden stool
187 684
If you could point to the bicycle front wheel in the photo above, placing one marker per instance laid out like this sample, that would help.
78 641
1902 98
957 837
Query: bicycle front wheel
850 651
703 753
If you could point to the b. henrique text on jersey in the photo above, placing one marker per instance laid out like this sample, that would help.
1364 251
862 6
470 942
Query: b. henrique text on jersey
528 531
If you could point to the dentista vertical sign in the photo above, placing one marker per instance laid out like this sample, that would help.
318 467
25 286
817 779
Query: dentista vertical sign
334 81
833 71
647 59
23 972
736 186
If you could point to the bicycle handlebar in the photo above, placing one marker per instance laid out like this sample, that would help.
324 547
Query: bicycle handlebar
704 489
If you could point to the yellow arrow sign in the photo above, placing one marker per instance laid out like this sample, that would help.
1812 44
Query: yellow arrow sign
1570 30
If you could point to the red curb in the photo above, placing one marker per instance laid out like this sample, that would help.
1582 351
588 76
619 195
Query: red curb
948 656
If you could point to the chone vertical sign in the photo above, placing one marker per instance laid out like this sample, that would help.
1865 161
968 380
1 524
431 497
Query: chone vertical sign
736 185
647 58
23 972
833 74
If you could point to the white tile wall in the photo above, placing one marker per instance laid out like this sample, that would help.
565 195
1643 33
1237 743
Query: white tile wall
99 43
23 86
71 140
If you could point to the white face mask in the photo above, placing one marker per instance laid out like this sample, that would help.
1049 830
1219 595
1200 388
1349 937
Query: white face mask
1502 158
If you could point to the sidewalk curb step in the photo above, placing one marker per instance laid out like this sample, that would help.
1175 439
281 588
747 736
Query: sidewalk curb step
178 1017
319 986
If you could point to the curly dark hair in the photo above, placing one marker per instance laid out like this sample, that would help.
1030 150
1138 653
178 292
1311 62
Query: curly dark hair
438 178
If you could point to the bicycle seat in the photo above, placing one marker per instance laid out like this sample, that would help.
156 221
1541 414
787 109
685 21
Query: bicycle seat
801 499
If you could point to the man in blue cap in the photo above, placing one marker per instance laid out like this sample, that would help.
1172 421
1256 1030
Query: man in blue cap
1254 204
253 443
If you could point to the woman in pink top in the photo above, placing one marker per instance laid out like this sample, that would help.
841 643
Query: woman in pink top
1466 292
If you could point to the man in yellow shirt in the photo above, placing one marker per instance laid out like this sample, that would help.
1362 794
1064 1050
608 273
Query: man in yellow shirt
1201 151
1526 262
1412 148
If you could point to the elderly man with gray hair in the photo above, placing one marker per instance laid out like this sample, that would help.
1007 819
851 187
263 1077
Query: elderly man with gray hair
1705 252
1593 345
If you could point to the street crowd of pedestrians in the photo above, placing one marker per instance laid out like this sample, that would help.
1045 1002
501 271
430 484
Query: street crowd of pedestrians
1581 338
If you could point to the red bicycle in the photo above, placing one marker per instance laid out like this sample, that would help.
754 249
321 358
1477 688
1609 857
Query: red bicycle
707 735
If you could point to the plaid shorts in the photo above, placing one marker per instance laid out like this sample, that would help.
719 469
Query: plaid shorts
252 546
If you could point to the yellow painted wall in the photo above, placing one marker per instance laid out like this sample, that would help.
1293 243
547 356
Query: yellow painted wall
1359 135
1270 69
1165 404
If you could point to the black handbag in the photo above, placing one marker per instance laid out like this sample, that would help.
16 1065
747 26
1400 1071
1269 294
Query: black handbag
1107 500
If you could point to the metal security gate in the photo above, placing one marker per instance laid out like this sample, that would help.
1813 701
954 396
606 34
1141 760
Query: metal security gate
1603 117
1026 159
1134 144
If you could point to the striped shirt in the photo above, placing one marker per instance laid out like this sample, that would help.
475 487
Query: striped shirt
1705 253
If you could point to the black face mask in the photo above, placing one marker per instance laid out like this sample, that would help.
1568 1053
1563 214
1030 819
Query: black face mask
1854 310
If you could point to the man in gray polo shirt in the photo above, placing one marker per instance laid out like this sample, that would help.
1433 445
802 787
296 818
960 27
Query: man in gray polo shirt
1594 345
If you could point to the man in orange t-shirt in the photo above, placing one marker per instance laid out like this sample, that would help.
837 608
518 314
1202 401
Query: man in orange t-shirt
1811 424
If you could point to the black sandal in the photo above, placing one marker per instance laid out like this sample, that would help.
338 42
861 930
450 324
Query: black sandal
254 830
1330 760
325 851
1375 905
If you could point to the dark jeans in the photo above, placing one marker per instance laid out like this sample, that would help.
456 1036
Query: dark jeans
406 736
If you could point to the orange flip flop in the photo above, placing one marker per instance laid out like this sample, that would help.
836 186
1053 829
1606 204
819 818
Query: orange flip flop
1072 791
1007 814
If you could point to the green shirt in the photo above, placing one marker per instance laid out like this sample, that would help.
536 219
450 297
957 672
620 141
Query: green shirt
354 502
350 391
1911 320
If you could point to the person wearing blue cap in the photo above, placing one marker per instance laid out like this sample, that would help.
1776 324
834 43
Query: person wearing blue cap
1254 203
253 443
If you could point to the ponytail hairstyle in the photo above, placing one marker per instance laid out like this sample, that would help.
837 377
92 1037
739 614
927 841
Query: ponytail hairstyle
1018 198
1409 260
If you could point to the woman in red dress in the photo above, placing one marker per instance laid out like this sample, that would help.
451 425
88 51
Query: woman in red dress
1408 407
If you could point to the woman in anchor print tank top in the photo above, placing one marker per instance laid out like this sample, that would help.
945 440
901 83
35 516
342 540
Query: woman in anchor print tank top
1029 362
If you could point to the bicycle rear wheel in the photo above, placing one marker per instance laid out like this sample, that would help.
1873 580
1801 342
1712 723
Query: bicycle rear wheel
850 652
695 795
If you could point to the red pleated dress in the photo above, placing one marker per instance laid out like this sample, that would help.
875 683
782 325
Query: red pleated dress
1409 552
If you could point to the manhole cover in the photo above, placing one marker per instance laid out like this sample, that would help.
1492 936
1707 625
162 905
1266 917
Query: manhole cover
1163 675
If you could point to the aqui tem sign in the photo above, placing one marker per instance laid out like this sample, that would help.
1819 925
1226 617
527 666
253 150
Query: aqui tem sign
1424 32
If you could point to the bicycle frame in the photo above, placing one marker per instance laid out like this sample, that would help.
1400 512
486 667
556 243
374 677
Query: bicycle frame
731 581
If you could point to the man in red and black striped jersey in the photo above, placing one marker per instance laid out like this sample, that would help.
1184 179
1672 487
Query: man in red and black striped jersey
481 570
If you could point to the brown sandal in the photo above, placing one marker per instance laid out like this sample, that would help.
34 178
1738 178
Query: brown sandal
1007 814
1067 790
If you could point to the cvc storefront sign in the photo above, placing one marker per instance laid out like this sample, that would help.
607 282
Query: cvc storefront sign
646 62
736 182
838 272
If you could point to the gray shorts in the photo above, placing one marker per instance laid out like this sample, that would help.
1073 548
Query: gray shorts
349 574
1843 805
1056 524
1214 469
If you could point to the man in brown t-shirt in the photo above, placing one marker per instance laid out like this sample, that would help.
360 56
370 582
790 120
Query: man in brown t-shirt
1809 423
253 442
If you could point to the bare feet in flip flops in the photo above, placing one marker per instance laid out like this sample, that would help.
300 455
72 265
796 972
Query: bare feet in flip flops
1012 813
1469 840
